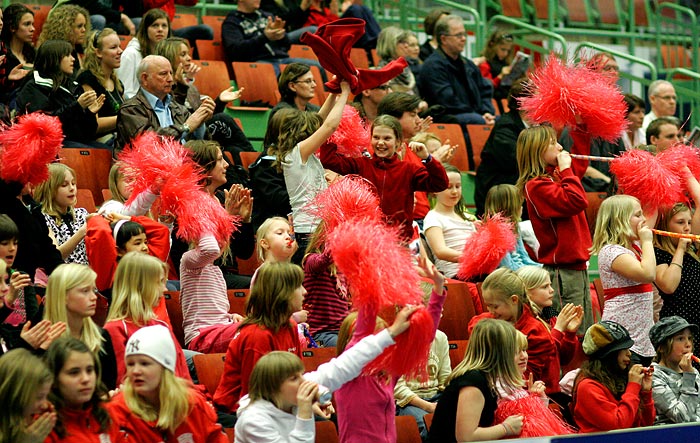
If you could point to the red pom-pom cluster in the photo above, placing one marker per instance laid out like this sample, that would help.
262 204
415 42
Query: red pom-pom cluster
493 239
378 270
575 95
348 197
352 136
642 175
161 162
678 156
538 419
28 146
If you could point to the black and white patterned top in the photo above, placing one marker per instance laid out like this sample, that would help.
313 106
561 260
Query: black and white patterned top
66 230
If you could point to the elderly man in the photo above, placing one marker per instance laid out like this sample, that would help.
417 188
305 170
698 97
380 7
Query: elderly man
662 96
452 80
663 133
153 109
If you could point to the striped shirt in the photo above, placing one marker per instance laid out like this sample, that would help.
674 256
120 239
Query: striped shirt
203 288
326 300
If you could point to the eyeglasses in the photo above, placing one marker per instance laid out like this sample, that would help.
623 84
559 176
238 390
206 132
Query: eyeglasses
308 82
667 97
458 35
383 87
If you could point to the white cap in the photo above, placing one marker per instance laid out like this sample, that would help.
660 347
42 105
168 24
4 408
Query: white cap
155 342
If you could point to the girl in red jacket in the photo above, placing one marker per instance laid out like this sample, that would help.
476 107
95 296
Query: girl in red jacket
276 294
609 394
77 394
556 203
155 405
138 288
504 296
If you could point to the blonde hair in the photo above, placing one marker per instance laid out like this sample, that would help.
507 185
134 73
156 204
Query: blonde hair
170 49
115 174
387 41
492 347
504 283
175 402
137 288
666 243
612 225
59 24
504 199
261 234
22 374
45 193
269 373
522 341
347 328
269 303
533 277
92 63
64 278
425 137
530 147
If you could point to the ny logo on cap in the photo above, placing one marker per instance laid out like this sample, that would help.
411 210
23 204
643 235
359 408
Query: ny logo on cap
133 346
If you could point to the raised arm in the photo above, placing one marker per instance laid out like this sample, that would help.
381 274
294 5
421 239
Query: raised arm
330 123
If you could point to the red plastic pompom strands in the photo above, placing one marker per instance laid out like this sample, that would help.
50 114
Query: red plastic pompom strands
575 95
155 161
493 239
28 146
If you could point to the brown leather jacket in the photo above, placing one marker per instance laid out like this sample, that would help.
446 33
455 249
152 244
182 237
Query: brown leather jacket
136 116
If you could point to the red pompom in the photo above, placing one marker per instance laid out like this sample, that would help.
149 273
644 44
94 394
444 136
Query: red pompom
678 156
155 161
416 342
352 136
641 175
28 146
538 419
562 94
348 197
377 269
493 239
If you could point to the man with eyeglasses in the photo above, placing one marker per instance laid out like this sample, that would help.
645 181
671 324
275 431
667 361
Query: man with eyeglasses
452 80
368 100
662 97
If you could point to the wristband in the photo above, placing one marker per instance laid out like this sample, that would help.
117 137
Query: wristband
677 264
428 158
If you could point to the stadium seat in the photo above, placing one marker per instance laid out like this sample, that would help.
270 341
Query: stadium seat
248 158
458 310
41 12
172 304
124 40
478 134
183 20
428 419
212 78
359 58
211 50
106 195
210 368
302 51
91 166
457 350
315 357
259 81
326 432
86 200
407 430
214 22
453 132
595 199
237 299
